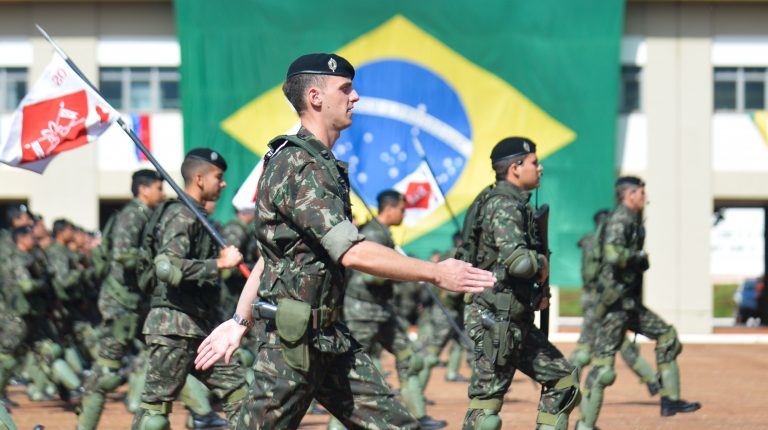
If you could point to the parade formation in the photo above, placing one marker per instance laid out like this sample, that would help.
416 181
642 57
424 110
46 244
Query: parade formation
157 302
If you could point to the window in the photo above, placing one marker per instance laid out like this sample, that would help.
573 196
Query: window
629 92
13 87
141 88
740 89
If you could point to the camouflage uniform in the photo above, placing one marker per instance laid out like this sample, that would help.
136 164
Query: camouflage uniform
372 321
181 317
582 355
30 298
620 308
513 341
122 307
303 224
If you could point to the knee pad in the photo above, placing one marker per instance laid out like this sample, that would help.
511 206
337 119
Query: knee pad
50 350
154 422
603 371
108 380
668 346
581 356
416 364
488 420
431 360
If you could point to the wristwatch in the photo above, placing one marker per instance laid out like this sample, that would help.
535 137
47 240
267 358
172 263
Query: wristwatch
242 321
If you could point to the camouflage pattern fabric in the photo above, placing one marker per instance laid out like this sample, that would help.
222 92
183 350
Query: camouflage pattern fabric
180 316
303 223
236 233
510 228
347 385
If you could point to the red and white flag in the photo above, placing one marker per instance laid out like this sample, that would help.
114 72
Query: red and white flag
60 113
422 194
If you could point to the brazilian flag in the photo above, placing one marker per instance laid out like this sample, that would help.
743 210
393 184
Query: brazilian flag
440 83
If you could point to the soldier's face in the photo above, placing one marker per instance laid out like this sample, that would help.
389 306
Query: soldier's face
529 172
153 193
338 97
211 183
636 199
395 214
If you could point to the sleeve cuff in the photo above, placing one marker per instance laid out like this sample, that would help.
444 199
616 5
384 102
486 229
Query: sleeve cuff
340 238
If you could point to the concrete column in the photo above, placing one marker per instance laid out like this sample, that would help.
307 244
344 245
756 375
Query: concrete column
678 94
69 186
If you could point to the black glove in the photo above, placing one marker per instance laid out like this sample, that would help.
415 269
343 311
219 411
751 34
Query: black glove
639 262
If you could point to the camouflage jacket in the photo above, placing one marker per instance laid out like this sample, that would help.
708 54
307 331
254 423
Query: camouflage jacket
25 292
586 243
363 286
303 224
509 228
187 309
624 240
67 275
121 283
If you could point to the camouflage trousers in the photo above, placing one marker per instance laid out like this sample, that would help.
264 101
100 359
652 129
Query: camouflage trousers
612 330
171 359
119 326
387 334
442 331
347 385
531 353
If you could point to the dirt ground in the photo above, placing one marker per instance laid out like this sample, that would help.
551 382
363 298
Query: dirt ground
726 379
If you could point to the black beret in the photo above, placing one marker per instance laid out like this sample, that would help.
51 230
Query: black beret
630 180
24 229
148 174
321 64
512 147
209 155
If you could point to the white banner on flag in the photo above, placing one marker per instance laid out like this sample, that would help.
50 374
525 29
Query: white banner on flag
245 198
60 113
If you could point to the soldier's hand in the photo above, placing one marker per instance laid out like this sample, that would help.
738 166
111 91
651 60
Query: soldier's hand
544 271
461 277
543 303
229 257
222 342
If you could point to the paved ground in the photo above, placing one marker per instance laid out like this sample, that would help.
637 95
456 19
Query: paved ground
727 379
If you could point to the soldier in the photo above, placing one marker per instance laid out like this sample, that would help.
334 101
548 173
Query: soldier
187 291
29 298
499 227
306 240
371 318
590 245
120 299
620 307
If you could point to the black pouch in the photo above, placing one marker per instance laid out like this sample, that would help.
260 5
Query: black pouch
292 323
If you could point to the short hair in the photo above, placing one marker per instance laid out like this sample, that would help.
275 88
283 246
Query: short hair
623 188
60 225
193 166
389 198
502 166
143 178
295 87
15 212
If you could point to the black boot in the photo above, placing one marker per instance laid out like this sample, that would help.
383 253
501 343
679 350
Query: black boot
428 423
8 403
209 422
670 407
653 388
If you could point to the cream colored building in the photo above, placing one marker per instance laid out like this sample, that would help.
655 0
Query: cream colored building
693 156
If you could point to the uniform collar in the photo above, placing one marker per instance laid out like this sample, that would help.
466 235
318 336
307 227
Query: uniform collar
623 209
311 140
513 190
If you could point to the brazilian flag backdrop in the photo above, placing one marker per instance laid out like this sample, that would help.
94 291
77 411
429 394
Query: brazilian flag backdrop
441 80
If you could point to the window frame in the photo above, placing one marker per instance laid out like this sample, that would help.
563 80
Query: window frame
125 75
740 80
5 107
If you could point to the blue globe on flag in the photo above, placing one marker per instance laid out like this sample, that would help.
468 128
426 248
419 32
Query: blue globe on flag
407 121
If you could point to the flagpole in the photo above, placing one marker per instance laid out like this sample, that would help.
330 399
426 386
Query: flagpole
136 141
423 155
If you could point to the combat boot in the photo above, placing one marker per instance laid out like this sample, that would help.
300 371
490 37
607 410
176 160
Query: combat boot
653 388
210 421
670 407
428 423
8 403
